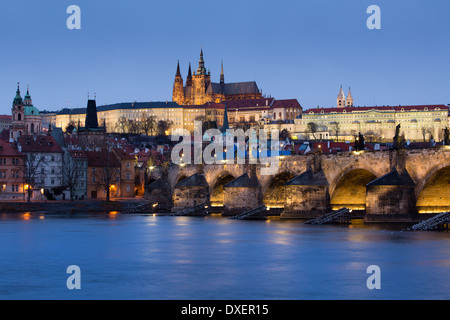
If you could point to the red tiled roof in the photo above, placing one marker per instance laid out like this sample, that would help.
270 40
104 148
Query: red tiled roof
39 143
287 103
7 150
99 159
124 154
327 147
77 154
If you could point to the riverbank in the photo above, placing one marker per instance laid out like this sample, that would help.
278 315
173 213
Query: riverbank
68 206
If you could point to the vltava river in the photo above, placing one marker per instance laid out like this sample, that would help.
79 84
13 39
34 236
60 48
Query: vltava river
158 257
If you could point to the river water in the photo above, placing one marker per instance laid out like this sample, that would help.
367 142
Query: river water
161 257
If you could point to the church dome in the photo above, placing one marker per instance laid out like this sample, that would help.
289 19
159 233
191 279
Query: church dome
31 111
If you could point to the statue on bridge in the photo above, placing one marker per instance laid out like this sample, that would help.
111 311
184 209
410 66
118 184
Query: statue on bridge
359 142
446 137
399 140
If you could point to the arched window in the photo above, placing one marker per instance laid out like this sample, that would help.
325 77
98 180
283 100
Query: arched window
19 117
32 127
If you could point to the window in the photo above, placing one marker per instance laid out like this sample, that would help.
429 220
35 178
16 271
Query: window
128 164
128 176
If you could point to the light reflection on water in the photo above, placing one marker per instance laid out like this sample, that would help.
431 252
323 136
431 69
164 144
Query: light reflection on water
157 257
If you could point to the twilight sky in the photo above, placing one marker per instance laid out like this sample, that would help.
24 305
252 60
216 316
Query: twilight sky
128 50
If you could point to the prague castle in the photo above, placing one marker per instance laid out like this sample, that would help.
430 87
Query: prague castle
199 89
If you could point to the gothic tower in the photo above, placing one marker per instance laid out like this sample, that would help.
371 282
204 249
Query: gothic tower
341 99
200 82
178 88
189 77
349 101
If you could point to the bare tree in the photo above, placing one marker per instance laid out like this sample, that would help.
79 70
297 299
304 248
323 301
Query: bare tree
121 124
312 129
424 131
163 126
372 136
70 127
30 171
148 124
72 172
336 128
133 126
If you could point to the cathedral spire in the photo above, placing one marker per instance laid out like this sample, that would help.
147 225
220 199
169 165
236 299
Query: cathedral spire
225 119
178 69
222 76
201 64
189 76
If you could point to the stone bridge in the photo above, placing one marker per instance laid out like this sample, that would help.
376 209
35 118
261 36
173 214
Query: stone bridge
385 182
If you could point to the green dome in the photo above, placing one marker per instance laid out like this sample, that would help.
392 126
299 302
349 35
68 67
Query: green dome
31 111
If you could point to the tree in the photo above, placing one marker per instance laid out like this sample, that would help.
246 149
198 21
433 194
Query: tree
72 172
242 125
121 124
424 131
285 134
312 129
148 124
372 136
30 171
133 126
336 128
70 127
163 126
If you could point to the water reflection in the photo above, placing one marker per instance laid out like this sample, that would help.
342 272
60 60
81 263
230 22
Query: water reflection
160 257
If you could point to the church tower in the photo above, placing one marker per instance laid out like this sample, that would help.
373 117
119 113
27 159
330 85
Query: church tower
341 99
18 127
200 82
178 88
349 101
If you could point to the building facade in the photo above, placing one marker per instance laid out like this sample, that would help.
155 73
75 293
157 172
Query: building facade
11 172
44 166
418 123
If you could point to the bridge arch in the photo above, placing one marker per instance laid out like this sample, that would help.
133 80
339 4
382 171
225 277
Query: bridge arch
216 187
349 188
433 191
181 176
273 191
150 180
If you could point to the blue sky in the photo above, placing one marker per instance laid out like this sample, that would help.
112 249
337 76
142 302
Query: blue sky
128 50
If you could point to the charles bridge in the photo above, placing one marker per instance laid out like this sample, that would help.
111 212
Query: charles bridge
384 185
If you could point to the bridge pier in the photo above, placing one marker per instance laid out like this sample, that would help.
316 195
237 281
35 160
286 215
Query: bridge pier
391 198
159 192
307 196
242 194
190 192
